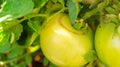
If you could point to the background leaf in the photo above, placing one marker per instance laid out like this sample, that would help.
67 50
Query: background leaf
16 32
5 48
12 9
52 65
1 1
62 2
45 61
28 59
34 25
90 56
73 9
39 3
4 37
16 51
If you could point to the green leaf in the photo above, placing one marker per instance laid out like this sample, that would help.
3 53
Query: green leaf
15 32
90 56
0 58
52 65
110 10
34 25
110 18
12 63
5 48
40 3
54 1
4 37
99 63
1 1
28 59
22 64
102 5
12 9
15 51
16 65
37 41
90 13
62 2
45 62
55 7
73 8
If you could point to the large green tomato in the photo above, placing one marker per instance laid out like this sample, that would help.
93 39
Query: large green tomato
62 44
107 44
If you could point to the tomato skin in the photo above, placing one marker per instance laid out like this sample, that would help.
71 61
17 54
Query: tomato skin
107 44
62 44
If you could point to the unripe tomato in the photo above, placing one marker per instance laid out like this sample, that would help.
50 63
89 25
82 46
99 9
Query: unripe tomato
62 44
107 44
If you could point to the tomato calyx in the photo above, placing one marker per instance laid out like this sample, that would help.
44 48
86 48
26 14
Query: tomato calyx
90 56
80 26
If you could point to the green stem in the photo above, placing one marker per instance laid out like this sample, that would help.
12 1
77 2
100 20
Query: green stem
17 58
33 37
36 10
90 13
64 8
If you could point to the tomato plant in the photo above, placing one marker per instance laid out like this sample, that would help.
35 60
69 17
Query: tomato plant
51 33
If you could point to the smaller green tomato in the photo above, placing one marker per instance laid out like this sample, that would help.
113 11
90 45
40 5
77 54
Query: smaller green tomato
107 44
62 44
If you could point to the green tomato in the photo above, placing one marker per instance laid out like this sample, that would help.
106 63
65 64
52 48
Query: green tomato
107 44
62 44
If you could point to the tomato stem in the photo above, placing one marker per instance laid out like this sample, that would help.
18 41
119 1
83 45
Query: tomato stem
80 24
33 37
64 8
17 58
